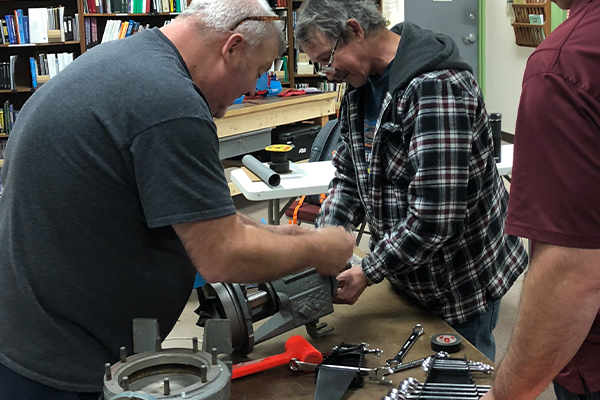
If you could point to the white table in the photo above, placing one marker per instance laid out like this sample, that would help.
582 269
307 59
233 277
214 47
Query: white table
305 179
506 161
313 178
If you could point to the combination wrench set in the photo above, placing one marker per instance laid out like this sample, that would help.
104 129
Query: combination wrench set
448 379
413 389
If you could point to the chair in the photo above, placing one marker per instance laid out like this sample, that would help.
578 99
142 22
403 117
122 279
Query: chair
307 208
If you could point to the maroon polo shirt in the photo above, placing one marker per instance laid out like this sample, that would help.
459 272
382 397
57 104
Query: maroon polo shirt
555 191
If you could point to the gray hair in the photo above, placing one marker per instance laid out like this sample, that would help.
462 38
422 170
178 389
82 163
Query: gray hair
221 16
330 16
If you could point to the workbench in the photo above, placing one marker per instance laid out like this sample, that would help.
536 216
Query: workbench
381 318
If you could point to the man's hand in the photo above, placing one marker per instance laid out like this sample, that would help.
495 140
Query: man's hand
488 396
352 283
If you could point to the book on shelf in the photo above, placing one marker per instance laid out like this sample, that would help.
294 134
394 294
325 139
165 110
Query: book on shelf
133 6
38 25
9 116
10 23
4 32
34 74
536 19
19 26
49 64
13 61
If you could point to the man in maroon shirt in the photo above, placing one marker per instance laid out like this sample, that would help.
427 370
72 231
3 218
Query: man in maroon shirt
555 202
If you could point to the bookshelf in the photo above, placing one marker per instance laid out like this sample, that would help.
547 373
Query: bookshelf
22 71
17 46
526 33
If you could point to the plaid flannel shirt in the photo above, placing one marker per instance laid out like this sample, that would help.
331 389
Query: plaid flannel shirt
432 195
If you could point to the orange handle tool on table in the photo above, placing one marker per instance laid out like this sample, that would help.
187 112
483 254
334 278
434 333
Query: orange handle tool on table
295 347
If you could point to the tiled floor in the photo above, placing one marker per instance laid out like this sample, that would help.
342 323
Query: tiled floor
186 327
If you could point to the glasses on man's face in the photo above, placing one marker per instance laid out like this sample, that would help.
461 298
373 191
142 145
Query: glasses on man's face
262 18
328 68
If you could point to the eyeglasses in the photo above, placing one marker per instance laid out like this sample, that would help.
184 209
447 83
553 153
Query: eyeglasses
262 18
328 68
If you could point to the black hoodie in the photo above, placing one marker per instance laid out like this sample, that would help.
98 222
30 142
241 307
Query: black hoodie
420 51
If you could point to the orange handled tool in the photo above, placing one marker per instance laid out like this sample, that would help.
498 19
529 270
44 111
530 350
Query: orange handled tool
295 347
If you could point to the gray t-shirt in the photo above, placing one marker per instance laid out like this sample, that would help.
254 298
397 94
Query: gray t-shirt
103 159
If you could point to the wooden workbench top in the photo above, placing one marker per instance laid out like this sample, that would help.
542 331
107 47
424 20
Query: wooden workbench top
274 111
381 318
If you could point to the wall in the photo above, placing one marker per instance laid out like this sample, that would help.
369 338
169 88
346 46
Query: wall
505 61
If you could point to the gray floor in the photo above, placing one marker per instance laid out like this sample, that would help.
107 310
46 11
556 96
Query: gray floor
186 327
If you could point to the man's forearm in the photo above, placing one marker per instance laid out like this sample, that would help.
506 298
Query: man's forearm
560 300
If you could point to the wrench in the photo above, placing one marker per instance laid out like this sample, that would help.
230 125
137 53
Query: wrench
416 332
374 374
451 365
418 363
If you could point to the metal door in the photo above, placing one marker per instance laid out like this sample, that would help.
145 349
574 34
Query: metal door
458 19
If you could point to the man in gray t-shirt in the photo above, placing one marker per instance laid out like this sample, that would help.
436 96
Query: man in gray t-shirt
114 197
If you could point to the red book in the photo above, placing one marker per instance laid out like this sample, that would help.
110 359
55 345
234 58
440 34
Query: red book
91 6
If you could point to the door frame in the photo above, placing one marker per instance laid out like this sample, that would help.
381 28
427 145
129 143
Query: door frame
481 35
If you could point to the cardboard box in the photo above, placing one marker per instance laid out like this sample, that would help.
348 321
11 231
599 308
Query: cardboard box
280 75
305 69
303 58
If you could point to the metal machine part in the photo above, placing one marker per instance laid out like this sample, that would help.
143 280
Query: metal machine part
177 373
298 299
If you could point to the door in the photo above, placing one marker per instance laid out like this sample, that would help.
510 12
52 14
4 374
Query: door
458 19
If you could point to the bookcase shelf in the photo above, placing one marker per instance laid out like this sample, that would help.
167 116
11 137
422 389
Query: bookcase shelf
20 89
527 34
71 42
132 15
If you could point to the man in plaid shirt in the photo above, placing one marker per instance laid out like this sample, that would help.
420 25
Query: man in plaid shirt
417 162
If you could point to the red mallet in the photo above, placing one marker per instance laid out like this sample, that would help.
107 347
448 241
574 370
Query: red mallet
295 347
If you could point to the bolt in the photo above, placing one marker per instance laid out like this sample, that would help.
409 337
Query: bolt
213 352
157 344
195 344
166 387
203 373
125 383
123 354
107 371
